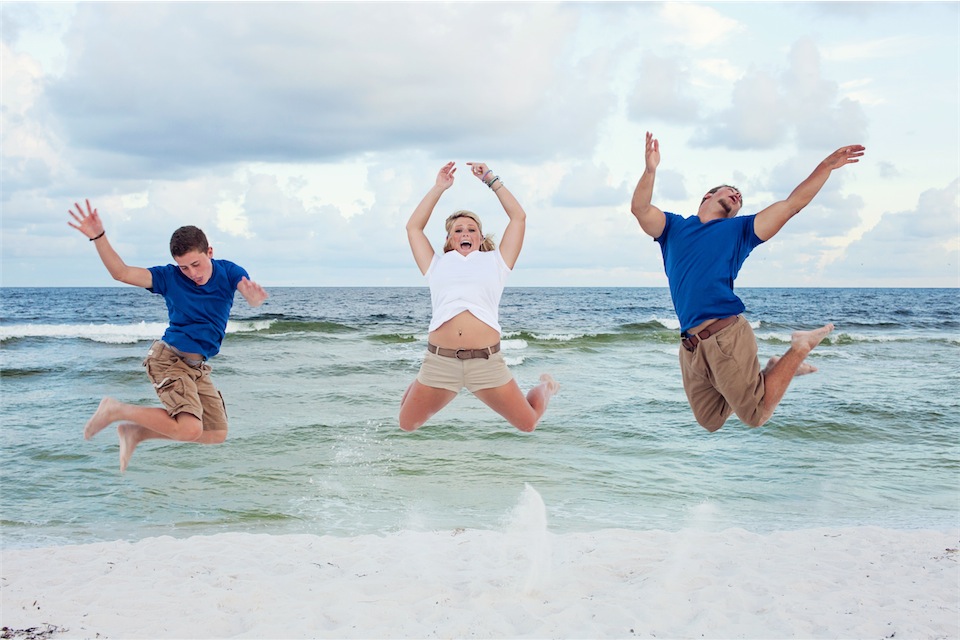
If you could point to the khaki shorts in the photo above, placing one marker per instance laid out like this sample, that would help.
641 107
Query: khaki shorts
185 389
453 374
722 376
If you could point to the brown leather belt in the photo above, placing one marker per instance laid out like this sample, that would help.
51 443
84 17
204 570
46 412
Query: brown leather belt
690 342
464 354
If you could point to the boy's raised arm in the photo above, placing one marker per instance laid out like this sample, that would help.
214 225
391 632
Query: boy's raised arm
88 223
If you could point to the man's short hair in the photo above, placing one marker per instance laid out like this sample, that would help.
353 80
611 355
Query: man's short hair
187 239
715 189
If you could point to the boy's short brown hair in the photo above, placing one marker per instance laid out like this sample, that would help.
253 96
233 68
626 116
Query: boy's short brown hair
187 239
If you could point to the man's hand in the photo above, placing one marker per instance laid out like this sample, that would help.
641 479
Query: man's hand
769 221
652 220
652 152
253 293
843 156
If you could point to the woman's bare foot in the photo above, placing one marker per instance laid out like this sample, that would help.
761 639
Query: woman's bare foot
552 386
102 417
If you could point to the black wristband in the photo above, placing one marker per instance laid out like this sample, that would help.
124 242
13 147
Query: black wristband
98 237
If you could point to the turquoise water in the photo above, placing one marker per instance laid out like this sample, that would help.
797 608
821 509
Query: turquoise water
313 380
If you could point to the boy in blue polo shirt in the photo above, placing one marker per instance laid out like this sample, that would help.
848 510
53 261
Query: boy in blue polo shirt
199 293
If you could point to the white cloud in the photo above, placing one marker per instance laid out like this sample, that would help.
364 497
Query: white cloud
300 136
588 185
756 119
799 101
662 91
925 239
697 26
288 81
889 47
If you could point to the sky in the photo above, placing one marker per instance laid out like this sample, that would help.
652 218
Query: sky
301 136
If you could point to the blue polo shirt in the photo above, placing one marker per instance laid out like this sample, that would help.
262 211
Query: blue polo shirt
701 261
198 314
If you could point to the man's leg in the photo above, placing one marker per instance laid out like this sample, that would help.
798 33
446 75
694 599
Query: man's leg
709 407
780 371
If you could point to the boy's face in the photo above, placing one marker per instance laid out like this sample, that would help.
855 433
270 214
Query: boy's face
196 266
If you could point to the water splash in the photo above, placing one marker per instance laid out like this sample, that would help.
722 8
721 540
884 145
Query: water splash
526 528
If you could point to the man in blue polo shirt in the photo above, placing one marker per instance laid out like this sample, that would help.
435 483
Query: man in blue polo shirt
702 255
199 293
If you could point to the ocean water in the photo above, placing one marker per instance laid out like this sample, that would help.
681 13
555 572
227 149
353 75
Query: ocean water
313 379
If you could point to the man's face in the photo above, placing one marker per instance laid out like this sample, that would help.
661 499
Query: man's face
196 266
728 198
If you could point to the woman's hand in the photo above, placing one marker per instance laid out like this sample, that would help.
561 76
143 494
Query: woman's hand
445 177
482 171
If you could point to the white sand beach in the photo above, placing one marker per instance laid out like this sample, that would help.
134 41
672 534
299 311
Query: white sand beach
819 583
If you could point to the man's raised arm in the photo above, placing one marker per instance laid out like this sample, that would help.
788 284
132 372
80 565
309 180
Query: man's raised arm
651 219
769 221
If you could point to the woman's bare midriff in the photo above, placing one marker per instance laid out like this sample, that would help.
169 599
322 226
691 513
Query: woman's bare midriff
464 331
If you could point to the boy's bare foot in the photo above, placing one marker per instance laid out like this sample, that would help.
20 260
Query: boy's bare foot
102 417
131 434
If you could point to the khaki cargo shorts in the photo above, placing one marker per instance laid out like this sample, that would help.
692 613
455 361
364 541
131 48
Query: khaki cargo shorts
183 388
453 374
722 376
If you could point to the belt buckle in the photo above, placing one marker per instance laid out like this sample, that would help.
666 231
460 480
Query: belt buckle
459 351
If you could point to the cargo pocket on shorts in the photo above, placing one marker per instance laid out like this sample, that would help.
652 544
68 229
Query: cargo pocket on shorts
171 394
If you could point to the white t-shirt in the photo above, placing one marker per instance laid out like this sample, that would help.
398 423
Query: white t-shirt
471 283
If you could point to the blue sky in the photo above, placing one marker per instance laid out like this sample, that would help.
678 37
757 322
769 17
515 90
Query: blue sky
300 136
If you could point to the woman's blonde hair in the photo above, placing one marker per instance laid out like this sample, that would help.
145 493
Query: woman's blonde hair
487 244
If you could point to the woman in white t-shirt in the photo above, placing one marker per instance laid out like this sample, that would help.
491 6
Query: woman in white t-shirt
466 283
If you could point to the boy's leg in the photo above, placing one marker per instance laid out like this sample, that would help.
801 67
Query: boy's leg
213 425
194 408
184 427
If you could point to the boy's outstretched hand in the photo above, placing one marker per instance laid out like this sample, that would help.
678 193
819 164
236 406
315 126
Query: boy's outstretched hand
253 293
88 223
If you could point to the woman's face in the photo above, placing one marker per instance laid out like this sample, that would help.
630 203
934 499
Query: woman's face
465 235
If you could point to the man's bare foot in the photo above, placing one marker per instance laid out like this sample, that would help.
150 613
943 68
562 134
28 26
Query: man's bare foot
103 416
804 341
804 368
131 434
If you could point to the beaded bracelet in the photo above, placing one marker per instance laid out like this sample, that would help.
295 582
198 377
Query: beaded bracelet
484 177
